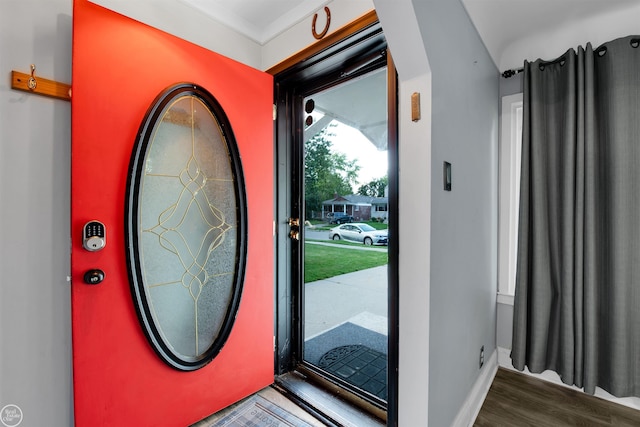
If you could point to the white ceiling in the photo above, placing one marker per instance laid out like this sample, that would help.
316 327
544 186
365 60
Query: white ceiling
505 23
260 20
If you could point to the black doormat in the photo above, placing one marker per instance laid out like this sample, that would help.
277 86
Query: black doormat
257 411
358 365
344 334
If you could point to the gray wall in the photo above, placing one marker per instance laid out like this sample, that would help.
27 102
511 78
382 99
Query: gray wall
504 325
35 331
511 86
463 221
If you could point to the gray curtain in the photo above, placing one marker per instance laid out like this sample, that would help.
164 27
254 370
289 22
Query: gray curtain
577 301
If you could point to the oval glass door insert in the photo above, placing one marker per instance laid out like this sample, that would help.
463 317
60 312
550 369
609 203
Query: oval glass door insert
186 226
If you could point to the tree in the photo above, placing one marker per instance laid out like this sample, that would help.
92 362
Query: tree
326 173
374 188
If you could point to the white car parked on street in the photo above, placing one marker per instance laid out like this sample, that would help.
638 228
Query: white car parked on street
359 232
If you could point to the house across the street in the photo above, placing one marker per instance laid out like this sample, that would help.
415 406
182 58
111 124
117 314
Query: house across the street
361 208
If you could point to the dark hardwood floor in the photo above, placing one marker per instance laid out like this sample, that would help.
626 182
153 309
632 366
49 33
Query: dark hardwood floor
515 399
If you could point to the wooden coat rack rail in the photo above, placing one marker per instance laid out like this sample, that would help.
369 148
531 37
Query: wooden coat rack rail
31 83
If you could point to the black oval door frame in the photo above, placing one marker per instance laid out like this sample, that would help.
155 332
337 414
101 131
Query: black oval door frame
132 238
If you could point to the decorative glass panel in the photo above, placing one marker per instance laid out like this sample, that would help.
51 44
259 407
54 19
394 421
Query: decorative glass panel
186 226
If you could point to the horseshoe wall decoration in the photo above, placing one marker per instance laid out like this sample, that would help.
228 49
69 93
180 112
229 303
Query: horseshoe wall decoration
320 35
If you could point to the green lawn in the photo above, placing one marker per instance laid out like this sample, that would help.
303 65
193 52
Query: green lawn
377 225
322 262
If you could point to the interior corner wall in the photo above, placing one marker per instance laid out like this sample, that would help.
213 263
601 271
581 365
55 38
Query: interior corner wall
464 220
35 329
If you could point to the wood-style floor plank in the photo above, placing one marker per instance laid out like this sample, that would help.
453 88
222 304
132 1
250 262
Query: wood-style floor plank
516 400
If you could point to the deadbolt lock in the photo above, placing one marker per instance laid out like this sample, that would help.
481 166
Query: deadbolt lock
93 277
94 236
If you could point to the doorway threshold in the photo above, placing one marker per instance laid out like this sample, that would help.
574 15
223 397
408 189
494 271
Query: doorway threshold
331 408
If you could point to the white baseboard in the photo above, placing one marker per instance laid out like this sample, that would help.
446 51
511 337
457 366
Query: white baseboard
471 407
504 361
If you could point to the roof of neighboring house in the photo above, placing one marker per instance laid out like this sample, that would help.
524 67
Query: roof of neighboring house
356 199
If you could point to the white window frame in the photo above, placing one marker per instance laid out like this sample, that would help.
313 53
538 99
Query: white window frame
509 179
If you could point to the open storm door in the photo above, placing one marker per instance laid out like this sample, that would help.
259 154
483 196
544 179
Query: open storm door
172 225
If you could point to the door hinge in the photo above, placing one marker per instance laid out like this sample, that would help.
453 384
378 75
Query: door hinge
274 343
275 112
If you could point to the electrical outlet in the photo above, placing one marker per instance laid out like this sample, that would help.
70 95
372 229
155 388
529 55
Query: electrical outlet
481 356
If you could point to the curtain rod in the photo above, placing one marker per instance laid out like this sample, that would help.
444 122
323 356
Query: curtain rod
512 72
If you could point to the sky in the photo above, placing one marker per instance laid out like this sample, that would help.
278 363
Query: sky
373 163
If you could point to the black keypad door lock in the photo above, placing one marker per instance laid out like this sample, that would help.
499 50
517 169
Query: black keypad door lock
94 236
93 277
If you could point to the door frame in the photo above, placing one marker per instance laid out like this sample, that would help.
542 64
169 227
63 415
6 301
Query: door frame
331 53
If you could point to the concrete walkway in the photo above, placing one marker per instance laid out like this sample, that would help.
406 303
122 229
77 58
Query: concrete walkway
316 234
360 297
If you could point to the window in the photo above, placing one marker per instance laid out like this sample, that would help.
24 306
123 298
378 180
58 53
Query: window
186 227
510 155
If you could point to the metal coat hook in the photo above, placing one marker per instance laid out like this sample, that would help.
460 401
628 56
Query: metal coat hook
32 83
41 86
320 35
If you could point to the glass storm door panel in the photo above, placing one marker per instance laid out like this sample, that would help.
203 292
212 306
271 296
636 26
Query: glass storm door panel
186 231
345 305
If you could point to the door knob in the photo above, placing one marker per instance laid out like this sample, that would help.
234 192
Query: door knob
294 222
93 277
294 225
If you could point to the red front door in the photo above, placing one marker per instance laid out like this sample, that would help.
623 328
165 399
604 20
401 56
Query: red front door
119 67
